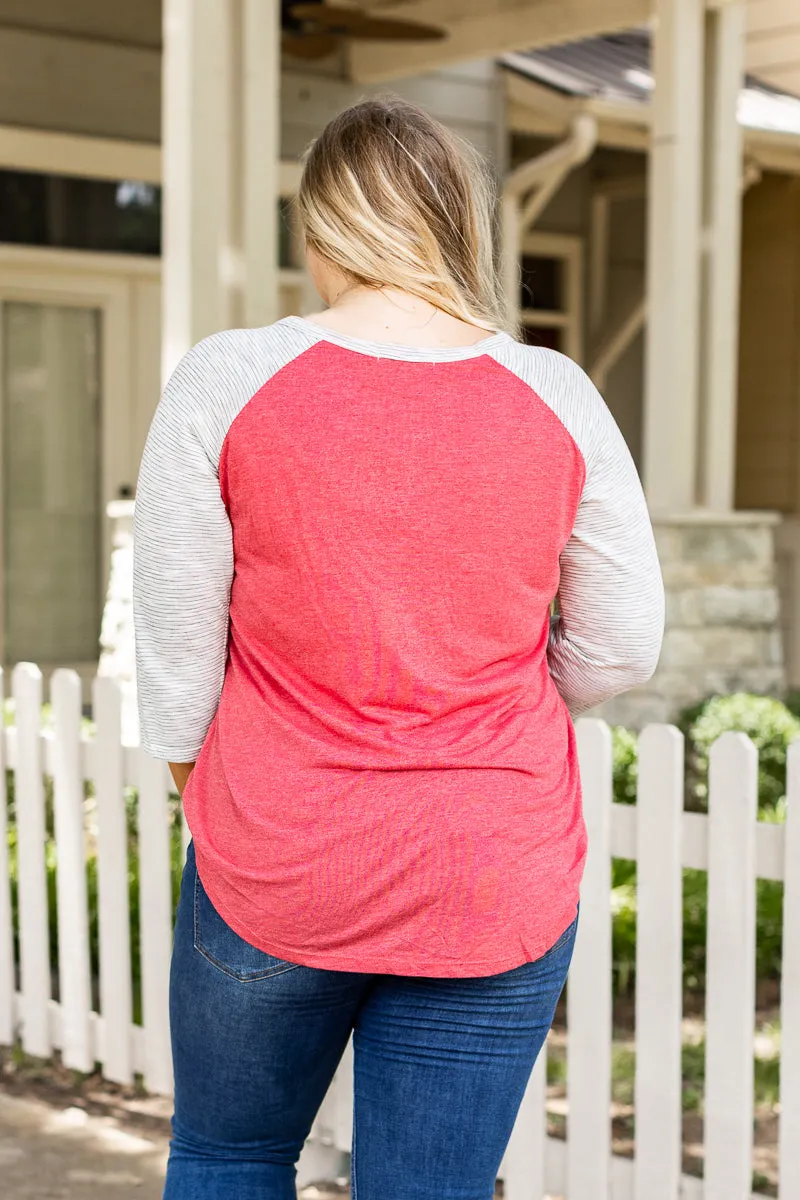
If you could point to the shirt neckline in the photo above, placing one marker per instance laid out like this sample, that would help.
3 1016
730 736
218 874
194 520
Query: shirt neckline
397 349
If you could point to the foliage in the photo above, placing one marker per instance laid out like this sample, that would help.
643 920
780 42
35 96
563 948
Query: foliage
770 725
625 764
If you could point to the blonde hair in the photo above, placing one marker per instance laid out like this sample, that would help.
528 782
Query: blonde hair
394 198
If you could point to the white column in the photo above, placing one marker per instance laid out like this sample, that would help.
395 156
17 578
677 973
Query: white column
195 173
725 38
511 253
261 158
673 258
220 116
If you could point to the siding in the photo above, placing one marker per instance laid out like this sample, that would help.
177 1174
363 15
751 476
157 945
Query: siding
75 85
468 99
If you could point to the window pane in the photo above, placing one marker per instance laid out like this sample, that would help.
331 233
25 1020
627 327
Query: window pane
542 336
51 470
542 283
80 214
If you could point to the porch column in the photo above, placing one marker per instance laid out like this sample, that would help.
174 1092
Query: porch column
670 447
195 116
220 138
725 38
261 75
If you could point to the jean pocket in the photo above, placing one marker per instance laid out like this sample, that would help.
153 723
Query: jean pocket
567 936
225 950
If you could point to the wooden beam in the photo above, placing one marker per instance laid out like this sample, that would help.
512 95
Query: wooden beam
781 48
772 151
767 15
72 154
489 32
530 95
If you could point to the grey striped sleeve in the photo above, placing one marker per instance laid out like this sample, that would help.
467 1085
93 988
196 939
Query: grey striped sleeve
608 636
183 549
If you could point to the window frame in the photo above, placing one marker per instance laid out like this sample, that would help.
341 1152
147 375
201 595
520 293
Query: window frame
569 251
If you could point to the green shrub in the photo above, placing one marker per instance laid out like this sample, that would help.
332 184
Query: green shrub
769 724
625 761
772 726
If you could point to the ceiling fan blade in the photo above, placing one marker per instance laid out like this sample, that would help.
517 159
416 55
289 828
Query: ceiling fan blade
355 23
309 45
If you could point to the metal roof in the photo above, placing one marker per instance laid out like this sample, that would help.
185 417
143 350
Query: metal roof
617 68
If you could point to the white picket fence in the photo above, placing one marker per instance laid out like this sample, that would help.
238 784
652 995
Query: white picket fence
730 843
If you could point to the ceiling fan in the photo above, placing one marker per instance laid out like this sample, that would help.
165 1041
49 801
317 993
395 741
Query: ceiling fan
314 28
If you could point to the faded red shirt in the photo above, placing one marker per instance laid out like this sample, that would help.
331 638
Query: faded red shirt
345 557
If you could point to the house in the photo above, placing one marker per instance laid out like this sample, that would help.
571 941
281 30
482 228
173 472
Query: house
629 187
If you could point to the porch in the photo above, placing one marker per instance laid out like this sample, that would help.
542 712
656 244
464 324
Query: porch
703 375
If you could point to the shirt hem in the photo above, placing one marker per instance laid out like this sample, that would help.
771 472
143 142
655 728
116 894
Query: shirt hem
395 964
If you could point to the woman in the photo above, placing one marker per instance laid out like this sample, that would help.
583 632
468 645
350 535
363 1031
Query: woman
350 529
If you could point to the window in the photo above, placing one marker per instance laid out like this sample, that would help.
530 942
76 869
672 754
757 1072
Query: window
80 214
122 217
551 293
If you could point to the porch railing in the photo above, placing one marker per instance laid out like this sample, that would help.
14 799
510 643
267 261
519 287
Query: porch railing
74 797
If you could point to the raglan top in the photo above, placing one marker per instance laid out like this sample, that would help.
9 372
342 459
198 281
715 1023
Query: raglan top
345 556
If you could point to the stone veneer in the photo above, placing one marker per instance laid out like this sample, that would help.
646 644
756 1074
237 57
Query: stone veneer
722 629
722 633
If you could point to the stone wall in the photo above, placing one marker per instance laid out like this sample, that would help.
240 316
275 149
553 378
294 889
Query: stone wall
723 629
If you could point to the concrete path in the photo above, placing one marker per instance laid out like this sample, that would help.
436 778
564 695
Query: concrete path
49 1153
52 1154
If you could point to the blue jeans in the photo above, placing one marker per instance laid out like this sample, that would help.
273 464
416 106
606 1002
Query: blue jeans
441 1065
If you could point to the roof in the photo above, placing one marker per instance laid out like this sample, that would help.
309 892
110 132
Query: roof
617 68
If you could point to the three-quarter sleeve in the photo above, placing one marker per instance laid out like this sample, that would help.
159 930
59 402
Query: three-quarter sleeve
183 566
608 634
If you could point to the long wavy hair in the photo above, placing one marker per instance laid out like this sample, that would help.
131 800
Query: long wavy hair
394 198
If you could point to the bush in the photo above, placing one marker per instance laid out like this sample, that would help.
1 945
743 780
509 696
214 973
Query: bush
626 767
770 725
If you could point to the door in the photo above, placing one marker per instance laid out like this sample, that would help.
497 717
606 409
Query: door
51 483
79 375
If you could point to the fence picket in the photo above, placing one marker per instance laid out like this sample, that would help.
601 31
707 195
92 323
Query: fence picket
7 968
116 1004
589 987
523 1167
728 842
74 968
659 964
155 914
31 868
730 987
789 1130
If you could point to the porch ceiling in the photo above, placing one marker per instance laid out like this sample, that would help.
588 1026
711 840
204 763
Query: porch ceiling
478 30
475 28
